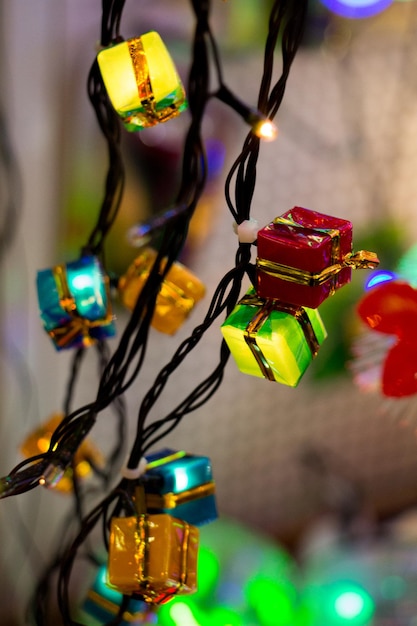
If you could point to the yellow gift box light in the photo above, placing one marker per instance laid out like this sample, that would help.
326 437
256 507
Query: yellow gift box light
141 81
179 291
87 454
272 339
153 556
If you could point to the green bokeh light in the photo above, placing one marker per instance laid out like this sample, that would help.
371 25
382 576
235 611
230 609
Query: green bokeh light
208 572
183 615
222 616
274 601
351 604
181 611
393 587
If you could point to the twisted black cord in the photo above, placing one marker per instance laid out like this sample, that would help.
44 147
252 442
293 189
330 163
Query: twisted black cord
283 16
286 24
110 126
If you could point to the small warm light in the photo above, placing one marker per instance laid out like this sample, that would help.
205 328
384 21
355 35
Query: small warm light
265 130
44 442
42 481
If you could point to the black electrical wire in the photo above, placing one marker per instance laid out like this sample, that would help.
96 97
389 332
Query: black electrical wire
123 367
89 523
286 24
289 18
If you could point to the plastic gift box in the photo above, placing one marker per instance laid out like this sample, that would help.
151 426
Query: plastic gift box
179 291
304 256
141 81
74 302
272 339
180 484
102 604
153 556
86 456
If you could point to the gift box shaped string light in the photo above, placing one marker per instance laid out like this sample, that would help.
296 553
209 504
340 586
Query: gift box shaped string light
153 556
182 485
178 294
74 302
141 81
305 256
272 339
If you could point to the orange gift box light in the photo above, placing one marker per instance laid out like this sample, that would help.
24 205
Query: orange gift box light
179 291
153 556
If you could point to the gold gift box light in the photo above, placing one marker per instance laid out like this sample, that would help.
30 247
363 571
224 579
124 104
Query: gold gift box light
38 443
141 81
178 294
154 556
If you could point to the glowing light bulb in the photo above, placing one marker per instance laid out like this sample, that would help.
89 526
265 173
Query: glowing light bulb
357 9
378 277
181 479
82 281
266 130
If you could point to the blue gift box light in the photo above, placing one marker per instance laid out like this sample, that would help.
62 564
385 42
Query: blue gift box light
74 303
182 485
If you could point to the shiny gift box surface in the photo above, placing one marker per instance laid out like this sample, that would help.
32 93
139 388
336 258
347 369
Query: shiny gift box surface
295 254
102 605
272 339
181 484
74 303
141 81
179 291
154 556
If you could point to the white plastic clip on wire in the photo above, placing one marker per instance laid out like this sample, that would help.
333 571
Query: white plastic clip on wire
136 472
247 231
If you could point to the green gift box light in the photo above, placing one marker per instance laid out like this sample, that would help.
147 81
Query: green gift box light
272 339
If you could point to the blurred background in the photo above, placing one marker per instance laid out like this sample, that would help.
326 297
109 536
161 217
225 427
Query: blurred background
325 473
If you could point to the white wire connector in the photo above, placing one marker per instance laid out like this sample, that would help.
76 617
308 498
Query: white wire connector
136 472
247 231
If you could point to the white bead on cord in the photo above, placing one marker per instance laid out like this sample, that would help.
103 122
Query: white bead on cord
247 231
136 472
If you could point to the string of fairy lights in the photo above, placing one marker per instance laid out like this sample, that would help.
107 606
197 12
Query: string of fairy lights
150 518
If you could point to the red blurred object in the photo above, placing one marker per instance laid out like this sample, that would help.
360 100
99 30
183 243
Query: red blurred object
391 308
296 253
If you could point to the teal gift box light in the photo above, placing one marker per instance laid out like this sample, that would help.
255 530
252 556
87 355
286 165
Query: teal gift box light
102 603
74 303
181 485
272 339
